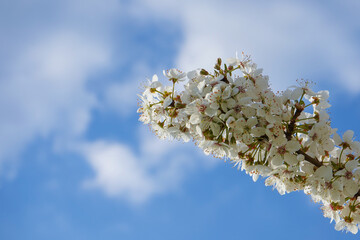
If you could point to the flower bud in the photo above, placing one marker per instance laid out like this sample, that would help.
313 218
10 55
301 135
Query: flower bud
204 72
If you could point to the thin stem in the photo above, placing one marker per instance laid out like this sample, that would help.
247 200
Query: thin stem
302 96
342 150
159 92
308 105
155 103
173 89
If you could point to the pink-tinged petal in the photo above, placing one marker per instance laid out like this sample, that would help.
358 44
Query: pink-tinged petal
247 139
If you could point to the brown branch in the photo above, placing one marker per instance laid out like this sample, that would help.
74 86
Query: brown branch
291 127
289 135
310 159
290 131
357 194
225 79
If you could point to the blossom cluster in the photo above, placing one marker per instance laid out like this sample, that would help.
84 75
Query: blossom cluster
285 137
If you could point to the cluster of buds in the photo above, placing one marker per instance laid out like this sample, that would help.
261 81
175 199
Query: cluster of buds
284 137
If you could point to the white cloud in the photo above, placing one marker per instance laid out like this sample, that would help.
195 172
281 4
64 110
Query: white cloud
121 97
157 167
45 93
45 74
118 171
290 40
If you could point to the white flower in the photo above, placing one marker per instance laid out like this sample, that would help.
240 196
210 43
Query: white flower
331 213
258 170
347 141
320 100
174 74
197 109
178 134
351 227
155 82
285 153
350 186
212 147
145 110
319 139
277 183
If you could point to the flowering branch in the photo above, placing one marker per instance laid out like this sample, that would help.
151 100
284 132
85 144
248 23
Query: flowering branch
284 137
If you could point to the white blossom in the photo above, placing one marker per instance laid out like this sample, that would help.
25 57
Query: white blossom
284 137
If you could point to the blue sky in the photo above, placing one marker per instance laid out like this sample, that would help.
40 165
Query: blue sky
75 163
